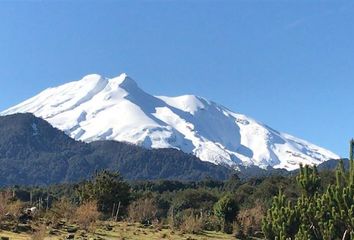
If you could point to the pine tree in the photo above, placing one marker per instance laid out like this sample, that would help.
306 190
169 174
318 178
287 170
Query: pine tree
315 216
309 180
281 221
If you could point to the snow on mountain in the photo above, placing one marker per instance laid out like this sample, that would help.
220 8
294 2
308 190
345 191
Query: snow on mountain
97 108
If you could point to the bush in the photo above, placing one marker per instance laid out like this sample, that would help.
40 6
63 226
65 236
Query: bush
143 211
211 223
63 208
14 210
9 209
87 215
191 224
250 220
5 198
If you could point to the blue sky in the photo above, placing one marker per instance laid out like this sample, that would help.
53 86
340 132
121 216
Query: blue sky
289 64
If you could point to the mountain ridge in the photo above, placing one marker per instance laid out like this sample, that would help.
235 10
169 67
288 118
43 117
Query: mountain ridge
97 108
32 152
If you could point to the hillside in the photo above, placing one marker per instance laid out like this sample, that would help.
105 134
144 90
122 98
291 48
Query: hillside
32 152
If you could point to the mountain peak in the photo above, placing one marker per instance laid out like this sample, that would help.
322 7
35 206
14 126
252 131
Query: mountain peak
92 77
98 108
123 81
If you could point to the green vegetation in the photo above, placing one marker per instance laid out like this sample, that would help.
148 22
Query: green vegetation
107 189
231 208
315 214
224 209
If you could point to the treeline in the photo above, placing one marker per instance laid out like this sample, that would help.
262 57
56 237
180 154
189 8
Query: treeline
233 206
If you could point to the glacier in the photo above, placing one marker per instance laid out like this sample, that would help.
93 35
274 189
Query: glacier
98 108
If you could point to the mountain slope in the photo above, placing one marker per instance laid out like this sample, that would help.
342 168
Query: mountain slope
97 108
32 152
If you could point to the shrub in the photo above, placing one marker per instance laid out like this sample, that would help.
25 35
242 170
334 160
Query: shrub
250 220
211 223
14 210
87 215
191 224
8 208
143 211
5 198
63 208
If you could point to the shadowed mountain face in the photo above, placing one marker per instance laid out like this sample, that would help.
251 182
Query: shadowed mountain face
96 108
32 152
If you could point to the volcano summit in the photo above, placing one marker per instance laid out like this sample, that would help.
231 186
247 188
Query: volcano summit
97 108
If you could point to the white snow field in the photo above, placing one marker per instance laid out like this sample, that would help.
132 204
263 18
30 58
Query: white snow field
98 108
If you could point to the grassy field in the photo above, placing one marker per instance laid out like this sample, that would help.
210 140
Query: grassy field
122 231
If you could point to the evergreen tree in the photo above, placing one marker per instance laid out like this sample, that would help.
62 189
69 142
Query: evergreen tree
309 180
108 189
226 209
316 216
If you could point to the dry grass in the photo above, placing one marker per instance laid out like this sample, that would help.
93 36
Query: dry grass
139 232
15 236
40 233
129 231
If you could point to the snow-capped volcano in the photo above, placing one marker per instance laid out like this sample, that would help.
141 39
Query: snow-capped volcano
98 108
